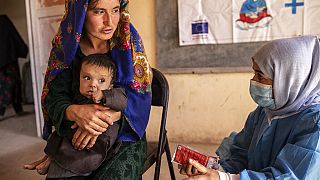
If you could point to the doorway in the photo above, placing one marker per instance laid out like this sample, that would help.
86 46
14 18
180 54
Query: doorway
16 98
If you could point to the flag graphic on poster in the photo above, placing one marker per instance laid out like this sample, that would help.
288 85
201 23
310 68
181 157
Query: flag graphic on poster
235 21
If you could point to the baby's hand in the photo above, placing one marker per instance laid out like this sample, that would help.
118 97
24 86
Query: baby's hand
97 96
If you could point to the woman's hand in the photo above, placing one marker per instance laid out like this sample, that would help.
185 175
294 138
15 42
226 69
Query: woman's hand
93 118
113 115
83 138
196 171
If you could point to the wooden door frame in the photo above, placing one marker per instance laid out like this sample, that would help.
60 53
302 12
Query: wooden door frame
34 14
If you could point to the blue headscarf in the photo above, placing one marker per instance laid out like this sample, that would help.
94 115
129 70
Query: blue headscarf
134 72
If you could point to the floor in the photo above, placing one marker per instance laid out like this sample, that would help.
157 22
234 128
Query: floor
20 145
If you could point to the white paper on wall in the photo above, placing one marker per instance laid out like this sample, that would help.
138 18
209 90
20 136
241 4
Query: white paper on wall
233 21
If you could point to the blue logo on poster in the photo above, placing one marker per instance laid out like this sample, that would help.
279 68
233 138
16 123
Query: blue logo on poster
200 27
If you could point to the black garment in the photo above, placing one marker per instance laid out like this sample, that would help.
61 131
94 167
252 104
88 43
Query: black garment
12 46
10 88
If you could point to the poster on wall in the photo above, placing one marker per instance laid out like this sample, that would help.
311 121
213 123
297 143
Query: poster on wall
235 21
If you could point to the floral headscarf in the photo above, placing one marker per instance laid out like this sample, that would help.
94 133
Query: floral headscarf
134 72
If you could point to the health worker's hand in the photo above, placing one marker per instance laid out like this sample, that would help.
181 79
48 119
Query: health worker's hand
196 171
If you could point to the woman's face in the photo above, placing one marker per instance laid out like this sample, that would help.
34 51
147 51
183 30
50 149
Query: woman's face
259 76
102 20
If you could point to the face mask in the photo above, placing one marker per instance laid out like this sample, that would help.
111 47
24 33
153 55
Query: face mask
262 94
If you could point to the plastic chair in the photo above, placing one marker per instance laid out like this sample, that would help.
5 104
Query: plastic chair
160 98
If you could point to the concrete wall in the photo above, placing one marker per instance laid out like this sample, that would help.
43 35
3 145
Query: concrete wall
203 107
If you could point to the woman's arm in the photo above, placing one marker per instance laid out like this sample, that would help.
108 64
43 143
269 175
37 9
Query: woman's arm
238 159
298 159
58 99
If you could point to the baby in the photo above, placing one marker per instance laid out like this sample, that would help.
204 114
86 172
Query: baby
97 74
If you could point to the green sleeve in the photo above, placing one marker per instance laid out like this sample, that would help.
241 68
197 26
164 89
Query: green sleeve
58 99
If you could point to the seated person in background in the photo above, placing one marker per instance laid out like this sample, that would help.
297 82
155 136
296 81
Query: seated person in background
281 137
97 74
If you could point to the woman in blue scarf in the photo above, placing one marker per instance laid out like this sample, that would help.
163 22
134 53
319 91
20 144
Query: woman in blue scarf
281 137
99 26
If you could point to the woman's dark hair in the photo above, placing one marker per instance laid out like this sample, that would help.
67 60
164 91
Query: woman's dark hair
92 4
101 60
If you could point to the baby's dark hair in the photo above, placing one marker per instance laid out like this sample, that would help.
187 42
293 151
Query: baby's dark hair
102 60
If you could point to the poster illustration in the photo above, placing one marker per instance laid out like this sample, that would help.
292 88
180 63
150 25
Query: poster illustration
235 21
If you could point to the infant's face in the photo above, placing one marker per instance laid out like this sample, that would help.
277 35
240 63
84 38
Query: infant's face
94 78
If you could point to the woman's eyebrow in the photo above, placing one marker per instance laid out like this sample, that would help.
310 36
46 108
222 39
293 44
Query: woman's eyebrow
97 8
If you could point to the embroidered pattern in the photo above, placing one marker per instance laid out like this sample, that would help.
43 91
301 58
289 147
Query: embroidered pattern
77 37
142 74
55 66
137 44
57 40
121 36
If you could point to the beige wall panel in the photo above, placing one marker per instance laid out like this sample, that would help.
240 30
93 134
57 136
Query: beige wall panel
48 28
50 3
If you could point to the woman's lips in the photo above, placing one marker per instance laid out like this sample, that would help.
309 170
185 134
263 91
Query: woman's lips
107 31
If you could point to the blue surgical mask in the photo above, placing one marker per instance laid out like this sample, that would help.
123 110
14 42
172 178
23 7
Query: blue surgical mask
262 94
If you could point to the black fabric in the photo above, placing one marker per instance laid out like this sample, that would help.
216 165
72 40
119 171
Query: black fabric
2 110
126 163
10 87
61 150
12 45
115 99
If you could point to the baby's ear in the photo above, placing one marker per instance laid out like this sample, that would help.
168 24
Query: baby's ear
111 86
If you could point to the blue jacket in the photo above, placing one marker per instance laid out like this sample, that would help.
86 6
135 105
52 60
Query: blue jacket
287 148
